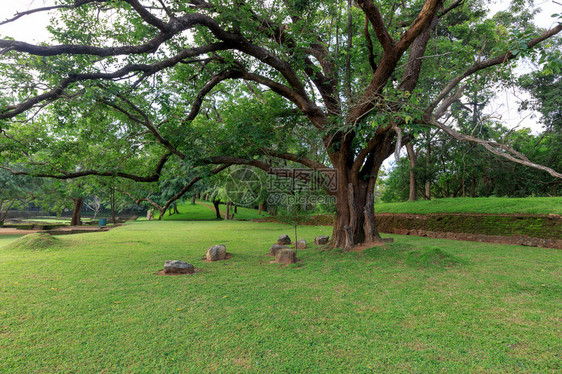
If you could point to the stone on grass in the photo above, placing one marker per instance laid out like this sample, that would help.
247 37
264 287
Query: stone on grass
276 248
301 244
284 240
286 256
321 240
216 253
178 267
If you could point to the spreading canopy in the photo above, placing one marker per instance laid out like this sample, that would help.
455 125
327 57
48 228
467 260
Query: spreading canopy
328 85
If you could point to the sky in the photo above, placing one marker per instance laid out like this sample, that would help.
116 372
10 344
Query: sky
32 28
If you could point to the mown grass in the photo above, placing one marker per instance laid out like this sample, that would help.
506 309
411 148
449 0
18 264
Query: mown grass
419 305
493 205
204 211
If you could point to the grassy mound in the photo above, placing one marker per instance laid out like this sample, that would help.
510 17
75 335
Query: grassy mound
35 242
432 257
412 256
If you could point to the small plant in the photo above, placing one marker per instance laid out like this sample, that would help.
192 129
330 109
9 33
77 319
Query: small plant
293 214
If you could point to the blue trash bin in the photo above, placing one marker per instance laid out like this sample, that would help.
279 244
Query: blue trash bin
103 222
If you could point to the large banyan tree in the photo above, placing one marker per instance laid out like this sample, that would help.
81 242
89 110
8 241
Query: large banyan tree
328 85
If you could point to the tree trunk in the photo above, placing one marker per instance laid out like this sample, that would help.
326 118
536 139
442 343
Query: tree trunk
413 163
176 211
235 208
216 204
193 199
473 187
113 205
427 166
355 217
76 212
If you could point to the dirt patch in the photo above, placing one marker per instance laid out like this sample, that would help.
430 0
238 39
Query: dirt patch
12 231
360 248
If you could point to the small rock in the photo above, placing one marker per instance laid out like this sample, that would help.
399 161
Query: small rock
178 267
216 253
276 248
321 240
284 240
286 256
301 244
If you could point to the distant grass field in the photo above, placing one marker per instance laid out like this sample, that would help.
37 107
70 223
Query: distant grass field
204 211
420 305
494 205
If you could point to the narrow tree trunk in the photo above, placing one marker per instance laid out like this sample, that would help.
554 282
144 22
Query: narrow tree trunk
227 213
76 212
193 200
113 206
235 208
473 187
413 163
216 204
427 166
176 208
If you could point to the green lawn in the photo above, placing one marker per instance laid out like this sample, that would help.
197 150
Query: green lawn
421 305
205 211
494 205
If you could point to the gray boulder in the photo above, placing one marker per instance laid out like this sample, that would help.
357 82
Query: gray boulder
284 240
276 248
301 244
178 267
321 240
286 256
216 253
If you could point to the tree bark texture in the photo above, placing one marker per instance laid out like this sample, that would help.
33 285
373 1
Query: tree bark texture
76 212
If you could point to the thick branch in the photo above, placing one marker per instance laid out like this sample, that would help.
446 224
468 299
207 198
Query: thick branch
149 17
314 165
213 82
79 174
56 92
375 17
496 148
